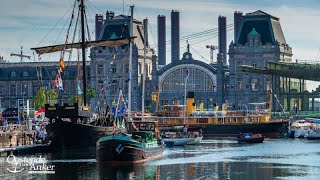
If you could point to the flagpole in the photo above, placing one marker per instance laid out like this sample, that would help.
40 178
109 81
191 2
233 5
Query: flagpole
130 64
185 101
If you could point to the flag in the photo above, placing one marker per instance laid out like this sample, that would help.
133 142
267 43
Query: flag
79 88
62 65
114 110
129 76
296 108
156 88
58 82
47 86
123 111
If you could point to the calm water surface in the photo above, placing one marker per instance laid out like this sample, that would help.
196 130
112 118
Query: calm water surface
213 159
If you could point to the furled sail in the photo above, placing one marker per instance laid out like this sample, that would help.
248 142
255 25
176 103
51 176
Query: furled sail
60 47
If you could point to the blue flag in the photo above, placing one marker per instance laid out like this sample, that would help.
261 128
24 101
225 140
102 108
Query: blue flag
47 86
123 111
114 110
79 89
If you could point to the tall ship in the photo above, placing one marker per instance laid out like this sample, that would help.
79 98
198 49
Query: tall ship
71 125
224 123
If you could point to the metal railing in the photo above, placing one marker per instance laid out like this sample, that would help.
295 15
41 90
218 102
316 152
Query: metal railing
13 128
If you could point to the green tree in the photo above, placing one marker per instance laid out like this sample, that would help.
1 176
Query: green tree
73 99
42 96
91 93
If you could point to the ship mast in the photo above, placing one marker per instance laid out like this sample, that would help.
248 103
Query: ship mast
130 64
83 54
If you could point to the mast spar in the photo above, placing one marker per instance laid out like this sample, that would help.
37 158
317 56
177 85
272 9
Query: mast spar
83 54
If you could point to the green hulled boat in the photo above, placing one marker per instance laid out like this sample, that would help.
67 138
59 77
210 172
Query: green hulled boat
140 145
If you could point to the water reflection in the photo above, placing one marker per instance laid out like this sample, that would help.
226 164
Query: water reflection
128 172
215 159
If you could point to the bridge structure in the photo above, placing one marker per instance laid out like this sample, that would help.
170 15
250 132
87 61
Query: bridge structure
287 71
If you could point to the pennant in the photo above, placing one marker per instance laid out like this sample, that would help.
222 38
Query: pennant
58 82
62 65
79 88
129 76
114 110
47 86
123 111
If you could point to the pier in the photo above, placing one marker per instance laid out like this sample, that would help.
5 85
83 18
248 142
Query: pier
15 138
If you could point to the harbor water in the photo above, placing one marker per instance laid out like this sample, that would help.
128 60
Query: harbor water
213 159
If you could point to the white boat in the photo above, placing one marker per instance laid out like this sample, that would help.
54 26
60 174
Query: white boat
177 139
196 141
300 128
315 130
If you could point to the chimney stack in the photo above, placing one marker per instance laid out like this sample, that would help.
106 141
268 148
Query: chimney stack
109 15
237 24
222 31
175 36
99 23
162 39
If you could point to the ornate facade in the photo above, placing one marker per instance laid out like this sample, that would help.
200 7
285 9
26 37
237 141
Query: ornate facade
260 40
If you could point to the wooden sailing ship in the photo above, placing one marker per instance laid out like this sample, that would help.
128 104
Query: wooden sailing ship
69 124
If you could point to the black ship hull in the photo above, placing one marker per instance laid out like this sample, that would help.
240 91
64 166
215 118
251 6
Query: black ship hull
122 151
271 129
75 135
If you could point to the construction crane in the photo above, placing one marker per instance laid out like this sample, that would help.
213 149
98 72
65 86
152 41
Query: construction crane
212 48
21 55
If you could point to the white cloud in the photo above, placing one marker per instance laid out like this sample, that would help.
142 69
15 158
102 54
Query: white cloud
27 22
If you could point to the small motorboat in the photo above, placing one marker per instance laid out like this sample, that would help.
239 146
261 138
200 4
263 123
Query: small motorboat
250 138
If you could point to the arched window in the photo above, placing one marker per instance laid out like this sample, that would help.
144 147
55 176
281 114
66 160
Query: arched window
197 80
13 74
25 74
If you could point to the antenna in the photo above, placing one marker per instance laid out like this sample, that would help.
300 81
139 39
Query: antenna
21 55
212 48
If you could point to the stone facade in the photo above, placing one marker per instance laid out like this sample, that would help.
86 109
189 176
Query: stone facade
260 40
22 80
110 66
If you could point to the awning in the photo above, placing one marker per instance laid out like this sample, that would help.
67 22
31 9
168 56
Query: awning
60 47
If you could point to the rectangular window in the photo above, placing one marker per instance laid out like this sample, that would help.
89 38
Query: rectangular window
113 69
1 89
13 90
100 69
35 88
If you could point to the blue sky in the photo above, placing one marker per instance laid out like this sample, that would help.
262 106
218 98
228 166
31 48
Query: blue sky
27 23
